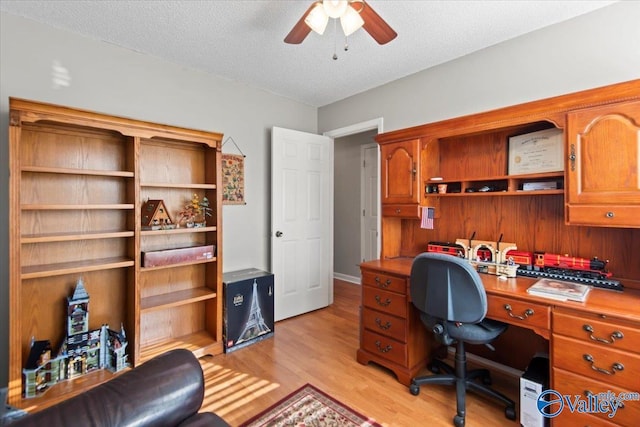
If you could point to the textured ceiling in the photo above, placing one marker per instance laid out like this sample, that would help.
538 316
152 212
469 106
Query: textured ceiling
243 40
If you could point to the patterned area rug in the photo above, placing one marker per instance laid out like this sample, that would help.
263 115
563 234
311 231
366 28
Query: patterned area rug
309 406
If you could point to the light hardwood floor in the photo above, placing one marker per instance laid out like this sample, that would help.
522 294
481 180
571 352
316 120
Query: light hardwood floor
320 348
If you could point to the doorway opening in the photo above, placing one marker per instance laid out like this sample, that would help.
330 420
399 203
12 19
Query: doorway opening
356 219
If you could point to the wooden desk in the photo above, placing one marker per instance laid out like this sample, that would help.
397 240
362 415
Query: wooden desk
594 346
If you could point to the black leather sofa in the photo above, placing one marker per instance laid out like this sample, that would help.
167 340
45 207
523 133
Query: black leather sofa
167 390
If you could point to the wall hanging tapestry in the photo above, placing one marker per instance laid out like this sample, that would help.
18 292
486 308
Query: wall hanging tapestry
233 177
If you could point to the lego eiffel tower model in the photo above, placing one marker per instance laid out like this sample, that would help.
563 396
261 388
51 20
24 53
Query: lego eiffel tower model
255 325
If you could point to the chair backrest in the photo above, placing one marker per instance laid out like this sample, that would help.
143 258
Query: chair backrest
447 287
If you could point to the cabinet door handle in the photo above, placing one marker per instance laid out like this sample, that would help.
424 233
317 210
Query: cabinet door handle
528 312
609 214
615 335
616 366
381 303
572 157
383 349
381 326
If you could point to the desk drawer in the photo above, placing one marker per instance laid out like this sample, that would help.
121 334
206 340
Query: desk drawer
567 418
385 324
594 329
401 211
388 302
521 313
385 281
573 385
385 347
611 366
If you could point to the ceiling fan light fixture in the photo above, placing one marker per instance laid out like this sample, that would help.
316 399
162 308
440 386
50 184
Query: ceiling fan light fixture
351 21
335 8
317 19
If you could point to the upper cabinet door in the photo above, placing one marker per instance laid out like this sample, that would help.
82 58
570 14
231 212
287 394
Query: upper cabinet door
400 165
603 147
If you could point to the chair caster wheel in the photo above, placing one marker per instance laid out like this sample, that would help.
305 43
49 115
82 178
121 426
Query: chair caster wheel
433 368
414 389
510 413
458 421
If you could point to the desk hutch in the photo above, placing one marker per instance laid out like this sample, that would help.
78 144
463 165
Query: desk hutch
78 181
595 211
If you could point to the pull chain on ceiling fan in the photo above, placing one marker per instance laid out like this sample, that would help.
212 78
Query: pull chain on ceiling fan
353 14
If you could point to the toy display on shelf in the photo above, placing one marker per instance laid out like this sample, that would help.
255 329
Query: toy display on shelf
485 256
82 350
155 216
195 213
501 258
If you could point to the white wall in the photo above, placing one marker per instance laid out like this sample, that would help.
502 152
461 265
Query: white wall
109 79
592 50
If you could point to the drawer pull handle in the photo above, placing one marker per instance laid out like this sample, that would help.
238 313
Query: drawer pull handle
614 367
619 403
385 284
616 335
381 303
381 326
386 349
528 312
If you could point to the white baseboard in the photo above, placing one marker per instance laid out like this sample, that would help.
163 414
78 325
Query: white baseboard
347 278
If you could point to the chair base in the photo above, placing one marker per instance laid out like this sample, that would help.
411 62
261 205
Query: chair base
463 380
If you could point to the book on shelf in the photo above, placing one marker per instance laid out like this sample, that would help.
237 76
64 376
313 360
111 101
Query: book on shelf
559 290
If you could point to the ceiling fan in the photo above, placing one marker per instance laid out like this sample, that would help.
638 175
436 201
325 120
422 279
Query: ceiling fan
353 14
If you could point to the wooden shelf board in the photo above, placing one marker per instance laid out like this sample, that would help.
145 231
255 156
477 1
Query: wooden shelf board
174 299
70 171
170 185
65 389
545 175
37 271
67 237
499 193
57 207
180 264
200 343
178 231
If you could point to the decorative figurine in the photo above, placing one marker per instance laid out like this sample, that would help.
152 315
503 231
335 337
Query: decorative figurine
155 216
195 213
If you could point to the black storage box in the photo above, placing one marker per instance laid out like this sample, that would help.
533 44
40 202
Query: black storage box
248 308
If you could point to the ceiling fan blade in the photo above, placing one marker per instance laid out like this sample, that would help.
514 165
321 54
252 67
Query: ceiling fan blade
301 30
375 25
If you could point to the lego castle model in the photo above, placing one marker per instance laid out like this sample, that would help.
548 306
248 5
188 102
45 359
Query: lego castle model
82 350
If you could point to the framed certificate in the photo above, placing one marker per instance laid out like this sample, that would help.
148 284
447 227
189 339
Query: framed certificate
536 152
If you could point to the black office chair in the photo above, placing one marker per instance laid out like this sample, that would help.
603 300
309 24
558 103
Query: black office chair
452 302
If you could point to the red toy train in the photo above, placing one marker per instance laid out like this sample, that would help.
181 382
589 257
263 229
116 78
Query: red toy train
541 264
561 264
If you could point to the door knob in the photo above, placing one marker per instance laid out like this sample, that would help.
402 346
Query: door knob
278 233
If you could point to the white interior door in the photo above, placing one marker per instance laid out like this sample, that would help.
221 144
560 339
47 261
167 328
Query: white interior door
369 202
301 221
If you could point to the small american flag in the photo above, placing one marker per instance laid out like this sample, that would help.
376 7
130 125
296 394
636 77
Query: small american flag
427 217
